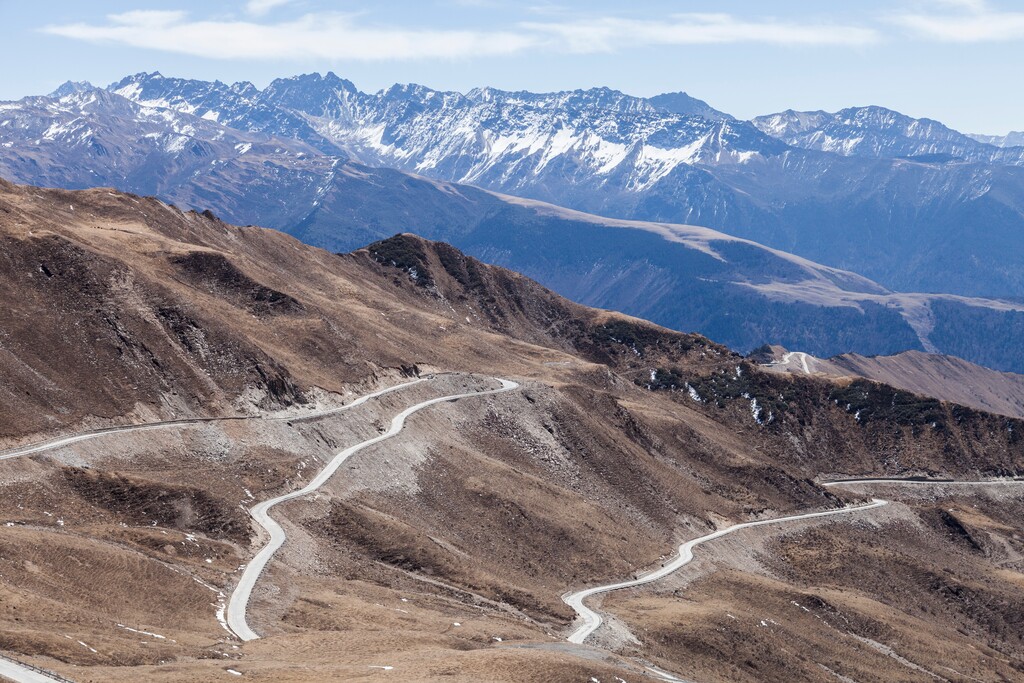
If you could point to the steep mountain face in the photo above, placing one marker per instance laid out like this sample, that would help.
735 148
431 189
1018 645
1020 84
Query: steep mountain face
71 88
443 552
880 133
861 189
685 277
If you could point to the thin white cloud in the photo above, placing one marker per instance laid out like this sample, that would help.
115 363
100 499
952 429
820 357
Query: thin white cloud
147 19
328 36
258 8
336 36
963 21
476 3
970 5
609 34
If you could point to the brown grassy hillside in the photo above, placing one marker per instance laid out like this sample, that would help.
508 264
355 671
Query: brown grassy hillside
443 553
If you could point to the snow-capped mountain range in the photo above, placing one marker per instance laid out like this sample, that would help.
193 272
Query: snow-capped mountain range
503 140
830 187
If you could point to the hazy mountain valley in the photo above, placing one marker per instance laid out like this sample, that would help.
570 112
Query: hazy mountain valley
687 278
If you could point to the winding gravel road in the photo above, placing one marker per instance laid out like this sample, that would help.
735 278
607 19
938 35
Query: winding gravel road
13 670
105 431
788 357
592 620
239 601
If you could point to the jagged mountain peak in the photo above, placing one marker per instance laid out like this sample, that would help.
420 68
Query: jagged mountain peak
71 88
417 92
83 101
683 103
314 80
136 78
313 94
875 116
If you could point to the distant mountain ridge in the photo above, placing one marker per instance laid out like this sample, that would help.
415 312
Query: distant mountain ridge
861 189
1012 139
880 133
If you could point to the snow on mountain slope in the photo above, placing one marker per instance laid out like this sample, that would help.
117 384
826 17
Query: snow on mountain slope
239 105
499 139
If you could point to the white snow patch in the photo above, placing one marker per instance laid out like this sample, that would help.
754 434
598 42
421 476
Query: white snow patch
755 410
176 144
145 633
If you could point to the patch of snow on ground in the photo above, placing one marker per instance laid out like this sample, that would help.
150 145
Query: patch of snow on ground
145 633
176 144
755 410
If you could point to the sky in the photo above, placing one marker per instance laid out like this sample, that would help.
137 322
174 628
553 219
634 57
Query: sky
956 61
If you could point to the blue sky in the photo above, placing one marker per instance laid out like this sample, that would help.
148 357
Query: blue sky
952 60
